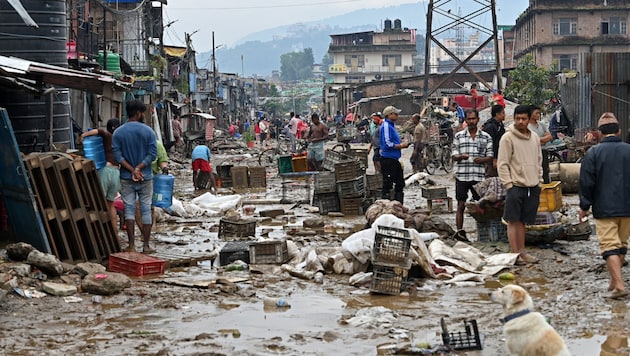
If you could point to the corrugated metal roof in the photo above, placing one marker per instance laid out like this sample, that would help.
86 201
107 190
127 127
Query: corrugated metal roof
35 74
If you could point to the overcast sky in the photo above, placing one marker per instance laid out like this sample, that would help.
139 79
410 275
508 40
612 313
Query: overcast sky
233 20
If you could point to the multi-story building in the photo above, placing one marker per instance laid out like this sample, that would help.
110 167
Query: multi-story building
367 56
462 46
556 32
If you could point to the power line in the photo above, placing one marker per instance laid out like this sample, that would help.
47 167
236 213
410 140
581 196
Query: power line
268 6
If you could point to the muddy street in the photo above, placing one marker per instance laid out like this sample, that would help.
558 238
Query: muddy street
208 310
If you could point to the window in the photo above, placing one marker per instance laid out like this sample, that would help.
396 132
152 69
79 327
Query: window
355 79
566 61
614 26
354 60
565 26
392 60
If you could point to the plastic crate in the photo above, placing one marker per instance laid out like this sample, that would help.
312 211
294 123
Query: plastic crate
224 170
347 170
234 250
326 202
345 134
391 246
300 164
325 183
550 197
331 157
434 193
352 188
236 230
360 154
491 231
257 177
285 164
374 181
544 218
350 206
135 264
268 252
240 178
388 279
466 340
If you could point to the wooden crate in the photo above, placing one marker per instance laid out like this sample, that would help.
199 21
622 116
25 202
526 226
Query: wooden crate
434 193
240 177
257 177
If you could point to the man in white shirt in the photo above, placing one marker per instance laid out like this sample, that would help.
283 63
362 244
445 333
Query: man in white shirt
293 127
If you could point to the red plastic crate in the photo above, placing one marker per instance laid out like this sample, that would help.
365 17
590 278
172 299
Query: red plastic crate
135 264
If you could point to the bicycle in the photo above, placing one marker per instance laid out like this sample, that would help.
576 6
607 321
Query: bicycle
438 154
283 147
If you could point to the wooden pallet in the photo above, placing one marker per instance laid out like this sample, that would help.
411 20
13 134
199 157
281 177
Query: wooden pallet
173 259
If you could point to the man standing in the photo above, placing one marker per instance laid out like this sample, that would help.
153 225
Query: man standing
135 147
293 130
317 135
604 185
377 120
338 118
177 133
494 127
542 131
390 154
419 133
472 150
459 112
520 172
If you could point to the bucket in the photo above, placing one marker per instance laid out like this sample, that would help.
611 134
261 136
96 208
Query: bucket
94 150
285 164
570 177
163 190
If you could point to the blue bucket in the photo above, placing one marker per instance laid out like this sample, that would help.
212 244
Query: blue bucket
94 150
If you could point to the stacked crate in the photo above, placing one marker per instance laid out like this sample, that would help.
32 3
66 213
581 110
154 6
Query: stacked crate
72 204
373 186
238 235
390 260
343 186
244 178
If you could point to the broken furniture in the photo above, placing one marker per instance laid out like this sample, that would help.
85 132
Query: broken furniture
436 193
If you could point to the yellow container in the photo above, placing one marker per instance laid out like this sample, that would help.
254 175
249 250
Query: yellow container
550 197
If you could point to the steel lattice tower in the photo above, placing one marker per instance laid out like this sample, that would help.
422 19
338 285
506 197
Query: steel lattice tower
440 9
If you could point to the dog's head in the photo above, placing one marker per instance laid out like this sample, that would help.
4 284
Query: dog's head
513 298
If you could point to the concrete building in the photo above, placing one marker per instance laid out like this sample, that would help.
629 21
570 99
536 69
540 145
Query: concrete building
556 32
462 45
368 56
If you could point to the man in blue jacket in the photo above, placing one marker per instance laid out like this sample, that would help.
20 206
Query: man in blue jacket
391 147
135 147
605 186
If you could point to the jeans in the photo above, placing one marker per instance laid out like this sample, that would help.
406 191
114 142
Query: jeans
129 190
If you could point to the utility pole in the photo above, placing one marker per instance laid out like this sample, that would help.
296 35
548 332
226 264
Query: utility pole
214 78
242 67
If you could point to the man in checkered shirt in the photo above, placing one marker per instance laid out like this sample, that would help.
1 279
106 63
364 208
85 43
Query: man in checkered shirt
472 150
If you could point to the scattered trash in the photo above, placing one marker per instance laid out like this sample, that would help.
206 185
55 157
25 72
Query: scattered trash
467 340
21 292
507 276
97 299
237 265
100 276
73 299
275 302
319 278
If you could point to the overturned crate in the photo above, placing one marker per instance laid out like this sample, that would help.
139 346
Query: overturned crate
351 206
135 264
325 183
258 178
347 170
327 202
391 246
236 230
268 252
233 251
352 188
332 157
240 178
388 279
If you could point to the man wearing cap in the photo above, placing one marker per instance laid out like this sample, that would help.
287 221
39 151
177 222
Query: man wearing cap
391 147
605 186
375 131
520 172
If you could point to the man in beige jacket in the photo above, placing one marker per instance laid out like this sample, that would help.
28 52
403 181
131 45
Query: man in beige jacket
520 171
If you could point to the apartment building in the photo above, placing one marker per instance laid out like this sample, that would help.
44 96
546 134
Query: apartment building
556 32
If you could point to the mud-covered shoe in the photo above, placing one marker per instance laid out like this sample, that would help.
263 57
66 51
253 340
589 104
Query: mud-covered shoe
527 258
616 294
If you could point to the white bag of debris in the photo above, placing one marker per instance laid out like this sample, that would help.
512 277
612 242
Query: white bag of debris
360 245
215 205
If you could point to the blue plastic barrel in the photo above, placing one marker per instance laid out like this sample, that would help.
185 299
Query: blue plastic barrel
94 150
163 190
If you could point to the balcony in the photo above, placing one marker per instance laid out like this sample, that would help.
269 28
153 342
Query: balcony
371 69
368 48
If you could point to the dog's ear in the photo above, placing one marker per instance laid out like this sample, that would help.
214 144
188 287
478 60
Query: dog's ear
518 296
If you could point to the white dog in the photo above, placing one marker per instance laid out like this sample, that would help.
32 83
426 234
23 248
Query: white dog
527 333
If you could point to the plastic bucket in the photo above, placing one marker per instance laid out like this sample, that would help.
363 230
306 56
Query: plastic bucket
94 150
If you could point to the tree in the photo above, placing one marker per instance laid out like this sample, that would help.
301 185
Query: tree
531 84
297 65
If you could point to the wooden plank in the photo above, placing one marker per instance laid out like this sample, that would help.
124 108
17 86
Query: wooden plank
183 260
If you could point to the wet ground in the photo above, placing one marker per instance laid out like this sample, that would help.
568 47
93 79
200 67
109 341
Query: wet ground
229 318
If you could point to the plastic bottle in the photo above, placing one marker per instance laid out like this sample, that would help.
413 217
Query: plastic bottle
234 267
275 302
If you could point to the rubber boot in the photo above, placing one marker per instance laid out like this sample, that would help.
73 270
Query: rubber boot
400 196
386 195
